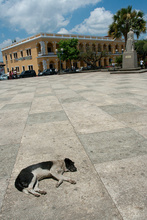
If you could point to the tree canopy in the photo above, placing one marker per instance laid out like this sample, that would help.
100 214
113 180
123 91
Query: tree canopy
141 48
70 51
91 58
125 19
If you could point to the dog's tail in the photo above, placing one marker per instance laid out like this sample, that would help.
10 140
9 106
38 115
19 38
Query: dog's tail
23 180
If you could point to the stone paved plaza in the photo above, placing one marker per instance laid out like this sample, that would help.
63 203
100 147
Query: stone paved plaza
98 120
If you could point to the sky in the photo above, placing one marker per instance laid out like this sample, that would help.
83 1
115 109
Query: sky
20 19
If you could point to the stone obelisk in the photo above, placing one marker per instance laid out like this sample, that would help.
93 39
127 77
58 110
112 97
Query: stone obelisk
130 55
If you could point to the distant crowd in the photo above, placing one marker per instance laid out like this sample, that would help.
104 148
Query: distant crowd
12 74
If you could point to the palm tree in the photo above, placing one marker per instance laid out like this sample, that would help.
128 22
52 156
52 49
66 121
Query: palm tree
125 19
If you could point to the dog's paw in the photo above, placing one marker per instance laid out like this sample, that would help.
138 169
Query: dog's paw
57 185
36 194
72 182
42 192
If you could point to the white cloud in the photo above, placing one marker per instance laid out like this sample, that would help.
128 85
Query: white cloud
35 15
63 31
6 43
97 23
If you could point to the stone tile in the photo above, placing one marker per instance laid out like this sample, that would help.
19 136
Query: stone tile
8 155
12 124
46 117
5 99
141 129
116 109
133 118
97 195
113 145
72 99
23 97
89 91
122 95
43 94
87 118
16 106
89 200
126 183
45 104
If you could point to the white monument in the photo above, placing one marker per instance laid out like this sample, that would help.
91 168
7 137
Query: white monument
130 55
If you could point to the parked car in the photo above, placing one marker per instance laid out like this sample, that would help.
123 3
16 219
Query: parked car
27 73
3 77
47 72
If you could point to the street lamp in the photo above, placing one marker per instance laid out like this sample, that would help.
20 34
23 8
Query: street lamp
59 53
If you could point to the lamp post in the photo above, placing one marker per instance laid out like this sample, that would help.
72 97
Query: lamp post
59 53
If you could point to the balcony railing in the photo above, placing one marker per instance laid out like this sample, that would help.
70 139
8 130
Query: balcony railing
24 58
50 54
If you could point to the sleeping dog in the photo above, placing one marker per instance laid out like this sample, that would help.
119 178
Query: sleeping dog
27 180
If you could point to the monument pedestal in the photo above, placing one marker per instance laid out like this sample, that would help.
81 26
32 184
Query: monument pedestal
130 60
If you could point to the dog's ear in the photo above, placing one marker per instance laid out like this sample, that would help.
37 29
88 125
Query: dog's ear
69 164
67 161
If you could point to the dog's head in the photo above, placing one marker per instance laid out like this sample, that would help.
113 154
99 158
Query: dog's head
70 165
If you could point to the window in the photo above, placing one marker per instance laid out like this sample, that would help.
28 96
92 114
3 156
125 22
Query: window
49 49
17 69
21 53
6 57
7 69
10 56
23 68
15 55
30 67
28 51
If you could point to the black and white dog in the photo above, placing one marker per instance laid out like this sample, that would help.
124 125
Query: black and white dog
27 180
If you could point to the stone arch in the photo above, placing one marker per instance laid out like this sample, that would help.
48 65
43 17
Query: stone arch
87 47
116 48
38 46
99 48
81 47
49 47
104 47
122 48
40 66
109 48
105 62
82 63
51 65
93 48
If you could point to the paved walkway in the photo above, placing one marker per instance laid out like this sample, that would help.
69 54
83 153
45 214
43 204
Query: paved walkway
96 119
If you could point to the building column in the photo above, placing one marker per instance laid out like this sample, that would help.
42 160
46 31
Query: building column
42 47
56 64
44 64
78 64
64 64
54 47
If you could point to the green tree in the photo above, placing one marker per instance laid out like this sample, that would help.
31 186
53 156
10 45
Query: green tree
70 51
118 60
125 19
141 48
91 58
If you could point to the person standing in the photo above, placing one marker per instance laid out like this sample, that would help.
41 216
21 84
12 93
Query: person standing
141 64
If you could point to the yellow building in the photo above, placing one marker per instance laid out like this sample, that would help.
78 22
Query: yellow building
39 51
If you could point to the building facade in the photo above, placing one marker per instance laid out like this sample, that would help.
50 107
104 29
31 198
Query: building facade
39 51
